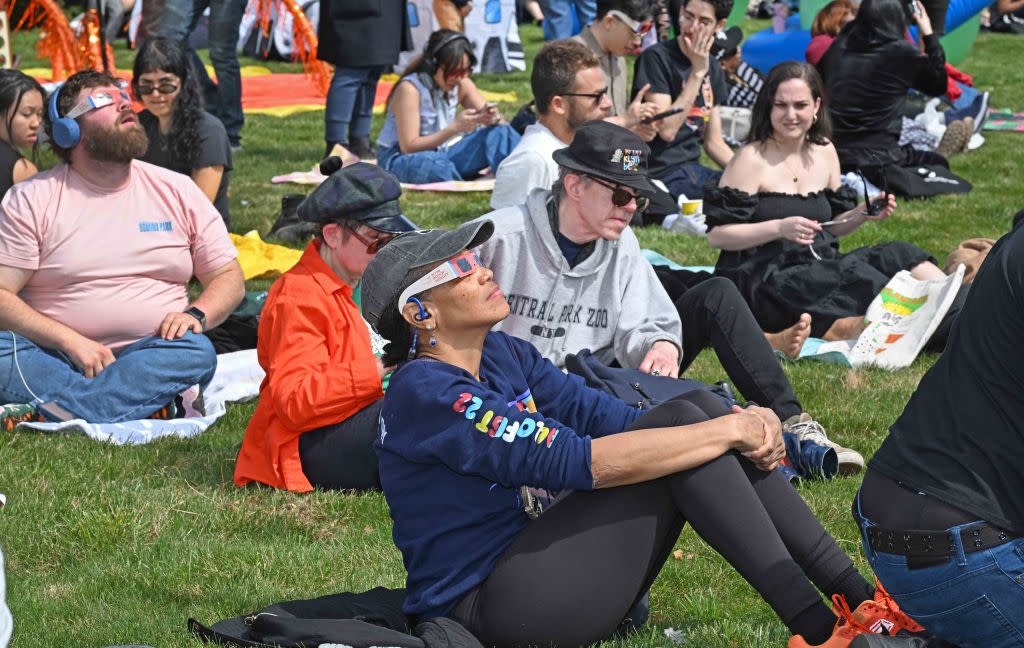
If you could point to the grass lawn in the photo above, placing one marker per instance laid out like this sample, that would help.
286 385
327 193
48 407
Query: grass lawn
116 545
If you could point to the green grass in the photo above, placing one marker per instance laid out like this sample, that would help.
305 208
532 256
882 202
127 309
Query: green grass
108 545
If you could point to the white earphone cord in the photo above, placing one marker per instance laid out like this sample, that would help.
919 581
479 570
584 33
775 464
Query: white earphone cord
17 366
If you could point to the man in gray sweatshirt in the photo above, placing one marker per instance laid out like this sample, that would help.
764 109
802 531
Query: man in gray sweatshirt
575 279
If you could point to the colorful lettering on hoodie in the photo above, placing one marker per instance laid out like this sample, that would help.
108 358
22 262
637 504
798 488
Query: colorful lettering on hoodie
498 427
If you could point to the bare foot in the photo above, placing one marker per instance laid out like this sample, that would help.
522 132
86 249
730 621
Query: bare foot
790 341
846 328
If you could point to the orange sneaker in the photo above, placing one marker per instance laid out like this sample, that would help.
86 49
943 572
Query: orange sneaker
884 616
847 628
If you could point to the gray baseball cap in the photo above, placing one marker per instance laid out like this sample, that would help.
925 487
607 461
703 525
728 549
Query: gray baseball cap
400 263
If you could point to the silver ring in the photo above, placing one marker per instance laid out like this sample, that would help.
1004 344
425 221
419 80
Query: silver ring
655 372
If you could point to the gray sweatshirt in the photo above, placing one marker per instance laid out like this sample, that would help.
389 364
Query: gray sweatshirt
611 303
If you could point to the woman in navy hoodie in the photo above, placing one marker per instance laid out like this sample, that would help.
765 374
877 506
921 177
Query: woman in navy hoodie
479 434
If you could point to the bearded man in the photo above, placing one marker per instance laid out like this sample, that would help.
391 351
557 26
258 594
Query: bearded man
95 260
569 89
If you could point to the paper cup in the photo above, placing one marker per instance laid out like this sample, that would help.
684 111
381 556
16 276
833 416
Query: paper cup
692 207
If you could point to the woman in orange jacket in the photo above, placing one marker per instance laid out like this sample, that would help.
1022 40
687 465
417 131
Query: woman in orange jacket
319 403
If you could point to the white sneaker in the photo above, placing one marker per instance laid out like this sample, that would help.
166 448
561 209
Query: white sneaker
807 429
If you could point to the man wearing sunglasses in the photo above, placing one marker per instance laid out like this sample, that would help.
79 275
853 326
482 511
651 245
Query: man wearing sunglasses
317 415
618 30
95 260
575 278
569 89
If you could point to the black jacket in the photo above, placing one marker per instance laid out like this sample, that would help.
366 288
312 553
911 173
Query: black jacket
363 33
866 91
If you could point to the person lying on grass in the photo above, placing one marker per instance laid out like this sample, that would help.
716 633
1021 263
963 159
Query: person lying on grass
779 211
534 510
316 418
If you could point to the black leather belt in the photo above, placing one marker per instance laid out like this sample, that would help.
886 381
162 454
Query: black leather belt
930 548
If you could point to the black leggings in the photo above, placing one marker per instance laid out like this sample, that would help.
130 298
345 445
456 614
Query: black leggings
341 456
715 314
602 550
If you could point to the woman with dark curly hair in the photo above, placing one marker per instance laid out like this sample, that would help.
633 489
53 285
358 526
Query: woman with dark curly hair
21 117
182 136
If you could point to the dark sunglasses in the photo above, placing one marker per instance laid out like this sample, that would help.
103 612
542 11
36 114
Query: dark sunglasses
875 207
372 245
621 197
596 96
163 88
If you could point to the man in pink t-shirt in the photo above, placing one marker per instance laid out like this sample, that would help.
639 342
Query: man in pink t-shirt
95 259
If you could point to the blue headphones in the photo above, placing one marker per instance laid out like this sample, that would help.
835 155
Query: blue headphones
66 132
419 317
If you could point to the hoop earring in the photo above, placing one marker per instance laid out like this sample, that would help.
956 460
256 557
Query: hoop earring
815 119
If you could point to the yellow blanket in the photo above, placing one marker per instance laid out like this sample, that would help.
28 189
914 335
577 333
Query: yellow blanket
262 260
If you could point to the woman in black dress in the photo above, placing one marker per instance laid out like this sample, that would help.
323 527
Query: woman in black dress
779 211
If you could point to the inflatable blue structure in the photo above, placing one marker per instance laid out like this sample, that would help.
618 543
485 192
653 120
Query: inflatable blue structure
766 49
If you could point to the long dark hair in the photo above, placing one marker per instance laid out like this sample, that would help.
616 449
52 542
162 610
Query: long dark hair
170 56
445 48
878 22
13 86
761 115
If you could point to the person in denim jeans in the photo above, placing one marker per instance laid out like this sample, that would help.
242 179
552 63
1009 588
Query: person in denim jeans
223 98
424 138
565 18
96 321
940 511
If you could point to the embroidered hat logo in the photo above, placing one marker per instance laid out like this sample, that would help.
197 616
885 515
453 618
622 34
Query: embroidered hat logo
631 160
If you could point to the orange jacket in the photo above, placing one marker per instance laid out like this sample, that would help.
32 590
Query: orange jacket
315 348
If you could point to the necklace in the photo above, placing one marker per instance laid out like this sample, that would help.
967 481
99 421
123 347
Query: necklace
796 176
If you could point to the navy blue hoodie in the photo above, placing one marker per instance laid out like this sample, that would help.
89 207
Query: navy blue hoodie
454 451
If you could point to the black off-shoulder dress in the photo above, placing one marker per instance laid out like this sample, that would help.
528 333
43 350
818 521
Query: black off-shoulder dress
782 279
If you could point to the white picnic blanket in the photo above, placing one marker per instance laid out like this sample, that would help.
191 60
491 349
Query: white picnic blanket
237 378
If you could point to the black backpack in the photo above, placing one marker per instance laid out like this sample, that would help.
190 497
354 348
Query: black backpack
365 620
634 387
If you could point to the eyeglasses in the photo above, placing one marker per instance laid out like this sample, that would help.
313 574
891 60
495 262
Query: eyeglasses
621 197
455 75
95 102
372 245
875 207
638 28
164 88
461 265
596 96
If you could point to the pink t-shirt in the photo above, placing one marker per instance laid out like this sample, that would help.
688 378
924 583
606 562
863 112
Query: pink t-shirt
111 264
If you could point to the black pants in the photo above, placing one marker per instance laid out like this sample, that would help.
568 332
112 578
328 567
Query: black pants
341 456
715 314
573 573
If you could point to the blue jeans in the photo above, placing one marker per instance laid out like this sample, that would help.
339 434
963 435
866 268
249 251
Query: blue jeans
484 147
559 20
223 98
146 376
350 103
689 179
975 600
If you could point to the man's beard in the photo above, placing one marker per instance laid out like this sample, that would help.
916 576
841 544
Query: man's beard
114 144
578 117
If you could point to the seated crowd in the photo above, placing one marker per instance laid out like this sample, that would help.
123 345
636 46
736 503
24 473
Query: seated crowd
436 366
